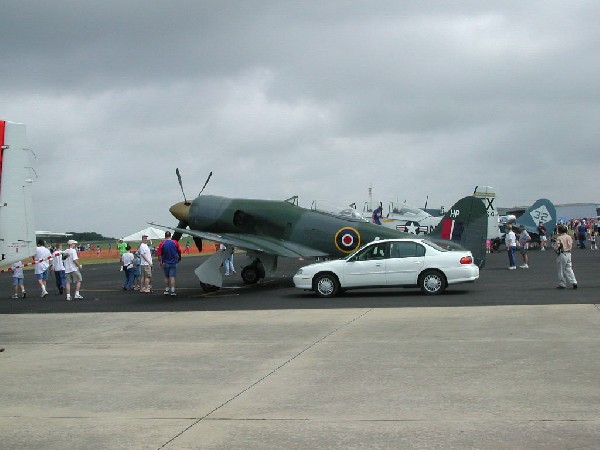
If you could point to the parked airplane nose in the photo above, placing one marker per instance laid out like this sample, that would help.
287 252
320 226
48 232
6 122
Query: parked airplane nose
180 211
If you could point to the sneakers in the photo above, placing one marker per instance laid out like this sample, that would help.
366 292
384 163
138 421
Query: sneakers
524 266
44 293
78 296
166 292
174 294
24 294
543 249
512 268
15 296
68 297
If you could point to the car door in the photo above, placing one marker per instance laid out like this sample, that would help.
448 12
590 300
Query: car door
367 268
405 262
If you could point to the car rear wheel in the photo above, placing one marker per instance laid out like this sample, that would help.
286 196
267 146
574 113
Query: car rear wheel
326 285
432 282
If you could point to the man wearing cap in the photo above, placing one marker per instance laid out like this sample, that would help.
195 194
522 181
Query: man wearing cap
169 255
72 270
146 263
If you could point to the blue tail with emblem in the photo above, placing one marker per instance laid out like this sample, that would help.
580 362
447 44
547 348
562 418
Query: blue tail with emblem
541 212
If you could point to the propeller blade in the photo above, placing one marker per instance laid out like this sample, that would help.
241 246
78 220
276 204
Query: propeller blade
207 180
198 242
180 184
177 235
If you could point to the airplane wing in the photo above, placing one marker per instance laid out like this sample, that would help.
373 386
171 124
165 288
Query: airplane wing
253 242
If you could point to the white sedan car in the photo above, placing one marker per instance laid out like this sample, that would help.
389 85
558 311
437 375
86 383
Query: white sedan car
391 263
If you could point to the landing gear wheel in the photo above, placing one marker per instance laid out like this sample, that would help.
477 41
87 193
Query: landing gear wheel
209 287
253 273
432 282
326 285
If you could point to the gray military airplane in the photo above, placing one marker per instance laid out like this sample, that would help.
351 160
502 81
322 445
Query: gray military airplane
269 229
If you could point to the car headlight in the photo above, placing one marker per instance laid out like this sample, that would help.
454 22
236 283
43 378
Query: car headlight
299 272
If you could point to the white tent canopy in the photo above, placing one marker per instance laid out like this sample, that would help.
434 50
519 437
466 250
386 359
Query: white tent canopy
153 234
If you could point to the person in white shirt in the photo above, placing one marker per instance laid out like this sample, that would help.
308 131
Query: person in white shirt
524 240
146 263
510 241
18 278
127 264
59 268
42 263
72 270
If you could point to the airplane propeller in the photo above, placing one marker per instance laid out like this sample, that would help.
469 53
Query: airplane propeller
181 210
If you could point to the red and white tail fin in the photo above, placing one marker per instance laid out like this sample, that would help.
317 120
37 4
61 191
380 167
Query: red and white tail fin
17 232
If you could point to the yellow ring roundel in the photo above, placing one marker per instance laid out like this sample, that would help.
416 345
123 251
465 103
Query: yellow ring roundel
347 239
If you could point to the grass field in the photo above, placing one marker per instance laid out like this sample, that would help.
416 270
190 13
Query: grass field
103 252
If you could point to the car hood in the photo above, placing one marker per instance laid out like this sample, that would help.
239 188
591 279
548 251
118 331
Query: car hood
324 265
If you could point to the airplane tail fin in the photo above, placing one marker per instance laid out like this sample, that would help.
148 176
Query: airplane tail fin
17 233
465 223
542 210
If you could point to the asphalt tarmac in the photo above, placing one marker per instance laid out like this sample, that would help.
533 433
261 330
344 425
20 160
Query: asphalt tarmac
506 362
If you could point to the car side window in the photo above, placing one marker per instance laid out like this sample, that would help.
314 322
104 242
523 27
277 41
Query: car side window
376 251
406 249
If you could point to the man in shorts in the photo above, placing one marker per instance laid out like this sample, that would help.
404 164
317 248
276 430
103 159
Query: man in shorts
72 270
543 239
42 259
169 255
524 240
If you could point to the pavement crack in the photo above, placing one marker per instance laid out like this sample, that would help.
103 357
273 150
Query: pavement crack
260 380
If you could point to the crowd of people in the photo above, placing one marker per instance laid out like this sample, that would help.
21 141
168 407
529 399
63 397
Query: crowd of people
136 266
566 236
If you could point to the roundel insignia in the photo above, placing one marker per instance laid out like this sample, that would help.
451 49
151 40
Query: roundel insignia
347 240
412 227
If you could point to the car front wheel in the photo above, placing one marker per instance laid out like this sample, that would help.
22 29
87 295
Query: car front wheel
326 285
432 282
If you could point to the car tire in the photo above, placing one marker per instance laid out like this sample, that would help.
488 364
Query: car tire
326 285
432 282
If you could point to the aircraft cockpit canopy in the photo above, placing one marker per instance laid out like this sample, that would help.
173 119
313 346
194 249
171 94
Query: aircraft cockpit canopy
346 213
407 210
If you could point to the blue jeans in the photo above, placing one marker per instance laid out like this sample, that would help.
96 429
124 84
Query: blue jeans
511 256
128 277
61 279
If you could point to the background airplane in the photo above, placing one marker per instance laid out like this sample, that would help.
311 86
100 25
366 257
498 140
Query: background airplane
269 229
542 210
17 234
410 219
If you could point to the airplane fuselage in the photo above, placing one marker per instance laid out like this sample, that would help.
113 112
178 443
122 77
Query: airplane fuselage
336 236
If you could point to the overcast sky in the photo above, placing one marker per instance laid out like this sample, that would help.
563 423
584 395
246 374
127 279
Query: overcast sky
319 99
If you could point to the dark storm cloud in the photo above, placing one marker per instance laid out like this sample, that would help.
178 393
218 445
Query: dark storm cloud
282 98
